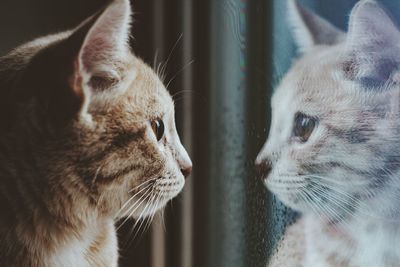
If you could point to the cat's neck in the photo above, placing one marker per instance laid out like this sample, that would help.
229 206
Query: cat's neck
91 245
33 204
44 224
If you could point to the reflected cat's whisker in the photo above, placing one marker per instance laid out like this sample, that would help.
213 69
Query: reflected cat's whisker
327 211
334 181
308 200
340 203
335 189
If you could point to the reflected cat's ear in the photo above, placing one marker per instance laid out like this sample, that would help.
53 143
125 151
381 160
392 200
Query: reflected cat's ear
104 52
309 29
370 27
373 42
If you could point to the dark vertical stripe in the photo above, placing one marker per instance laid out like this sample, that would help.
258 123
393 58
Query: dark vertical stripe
201 129
259 90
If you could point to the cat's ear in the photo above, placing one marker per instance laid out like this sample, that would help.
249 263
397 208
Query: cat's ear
309 29
105 50
373 42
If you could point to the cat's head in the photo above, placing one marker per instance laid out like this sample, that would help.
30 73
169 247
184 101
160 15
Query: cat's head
334 139
98 121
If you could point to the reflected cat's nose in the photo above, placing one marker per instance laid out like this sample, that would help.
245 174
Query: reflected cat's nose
263 168
186 171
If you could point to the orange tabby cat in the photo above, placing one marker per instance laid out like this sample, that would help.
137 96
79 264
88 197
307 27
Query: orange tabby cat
88 136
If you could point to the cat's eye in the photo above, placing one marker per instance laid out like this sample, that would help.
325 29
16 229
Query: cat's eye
303 126
158 128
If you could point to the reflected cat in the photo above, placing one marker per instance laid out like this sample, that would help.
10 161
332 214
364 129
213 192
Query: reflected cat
333 152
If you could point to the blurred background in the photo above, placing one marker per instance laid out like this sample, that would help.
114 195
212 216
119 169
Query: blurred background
223 58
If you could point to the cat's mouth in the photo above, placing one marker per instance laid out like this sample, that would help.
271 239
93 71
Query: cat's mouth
167 188
307 196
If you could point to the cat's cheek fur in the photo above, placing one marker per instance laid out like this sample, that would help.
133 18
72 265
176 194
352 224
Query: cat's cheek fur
160 183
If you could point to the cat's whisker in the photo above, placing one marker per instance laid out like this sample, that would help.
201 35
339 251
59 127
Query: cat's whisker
136 205
182 92
155 60
148 202
320 210
177 100
310 197
144 196
170 54
148 181
340 196
343 204
141 220
145 220
362 209
308 200
153 211
339 202
162 214
181 95
130 238
131 198
334 188
314 205
178 72
158 71
334 181
347 196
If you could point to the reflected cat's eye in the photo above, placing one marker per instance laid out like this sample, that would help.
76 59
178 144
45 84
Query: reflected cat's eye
158 128
303 126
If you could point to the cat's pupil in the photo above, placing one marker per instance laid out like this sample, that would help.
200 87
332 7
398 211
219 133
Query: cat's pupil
303 126
158 128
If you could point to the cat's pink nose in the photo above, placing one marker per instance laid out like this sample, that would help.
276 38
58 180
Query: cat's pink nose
184 162
186 171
